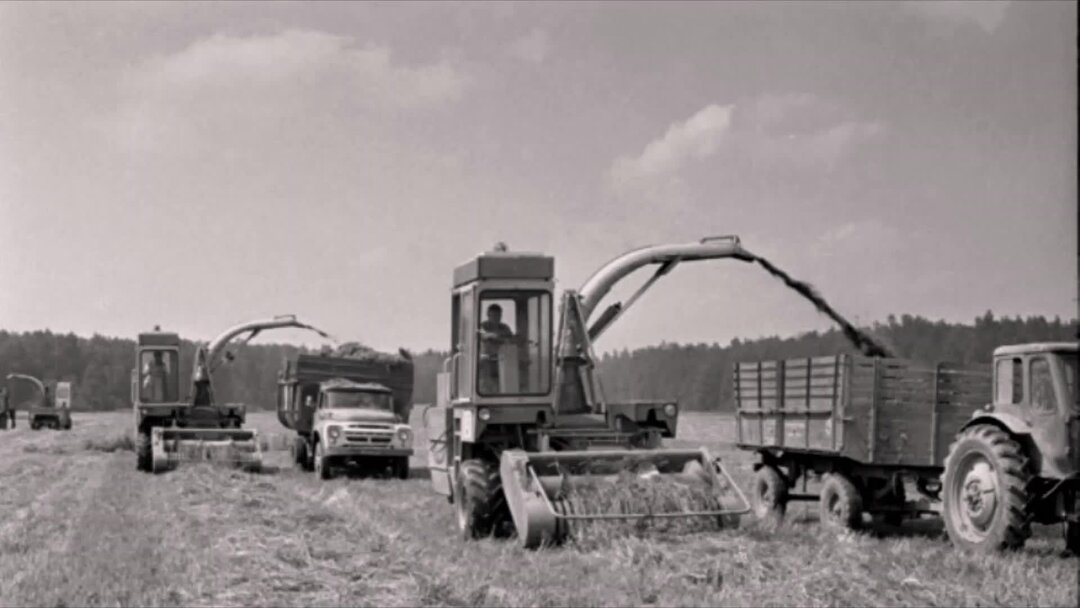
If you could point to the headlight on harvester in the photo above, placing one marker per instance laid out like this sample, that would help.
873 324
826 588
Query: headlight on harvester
333 432
484 414
670 410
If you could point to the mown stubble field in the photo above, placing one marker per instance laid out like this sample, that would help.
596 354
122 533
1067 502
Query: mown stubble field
82 527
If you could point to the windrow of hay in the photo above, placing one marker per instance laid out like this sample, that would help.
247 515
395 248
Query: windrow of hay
632 493
117 443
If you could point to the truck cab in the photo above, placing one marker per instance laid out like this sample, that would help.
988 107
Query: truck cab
357 423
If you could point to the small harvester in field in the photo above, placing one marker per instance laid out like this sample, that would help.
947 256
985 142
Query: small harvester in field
51 409
348 409
876 431
522 437
169 428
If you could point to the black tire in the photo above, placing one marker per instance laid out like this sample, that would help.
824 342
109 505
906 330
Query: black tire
1072 537
35 425
300 453
770 495
401 467
322 464
984 491
841 504
143 457
479 502
4 421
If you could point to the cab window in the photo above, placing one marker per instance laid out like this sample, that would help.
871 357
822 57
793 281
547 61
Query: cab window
1010 381
159 377
514 343
1042 386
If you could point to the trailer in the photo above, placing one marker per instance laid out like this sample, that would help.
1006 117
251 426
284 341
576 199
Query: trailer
991 452
348 410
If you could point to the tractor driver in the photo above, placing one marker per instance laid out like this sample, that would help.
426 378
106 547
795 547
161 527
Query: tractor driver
493 334
154 379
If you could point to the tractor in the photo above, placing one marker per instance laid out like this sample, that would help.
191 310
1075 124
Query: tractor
521 415
169 428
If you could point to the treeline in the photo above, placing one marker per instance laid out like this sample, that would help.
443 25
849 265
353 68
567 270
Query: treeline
698 375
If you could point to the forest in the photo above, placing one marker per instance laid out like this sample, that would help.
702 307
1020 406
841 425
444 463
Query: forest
697 375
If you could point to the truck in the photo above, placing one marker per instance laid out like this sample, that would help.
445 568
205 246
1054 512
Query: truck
348 410
52 407
988 451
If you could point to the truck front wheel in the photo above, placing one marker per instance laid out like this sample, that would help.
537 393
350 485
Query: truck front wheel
322 463
985 491
401 467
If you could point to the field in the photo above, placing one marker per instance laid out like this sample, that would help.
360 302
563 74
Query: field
81 527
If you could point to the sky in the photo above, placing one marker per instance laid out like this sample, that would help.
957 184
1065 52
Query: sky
196 165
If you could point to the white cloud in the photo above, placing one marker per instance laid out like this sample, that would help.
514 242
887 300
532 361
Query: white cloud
987 14
695 138
228 81
533 47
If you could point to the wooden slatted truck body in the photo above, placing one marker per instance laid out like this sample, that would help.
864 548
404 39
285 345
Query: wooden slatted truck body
990 450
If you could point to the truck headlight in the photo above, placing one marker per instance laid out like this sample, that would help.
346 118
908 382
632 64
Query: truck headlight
670 410
404 435
484 414
333 432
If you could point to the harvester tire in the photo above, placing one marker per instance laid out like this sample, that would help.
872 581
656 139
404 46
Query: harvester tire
478 489
841 503
322 466
985 491
1072 537
770 495
143 457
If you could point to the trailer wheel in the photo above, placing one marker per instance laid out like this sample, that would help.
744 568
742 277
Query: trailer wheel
35 425
770 495
143 457
322 465
841 503
985 491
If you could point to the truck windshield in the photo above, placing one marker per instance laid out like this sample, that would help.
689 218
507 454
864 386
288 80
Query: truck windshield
359 400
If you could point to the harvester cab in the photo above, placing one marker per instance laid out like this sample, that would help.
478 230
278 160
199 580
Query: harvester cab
521 418
170 428
1018 459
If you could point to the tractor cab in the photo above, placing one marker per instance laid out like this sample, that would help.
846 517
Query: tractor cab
156 378
501 340
1035 392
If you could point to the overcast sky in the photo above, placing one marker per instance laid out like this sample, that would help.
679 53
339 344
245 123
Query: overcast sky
199 164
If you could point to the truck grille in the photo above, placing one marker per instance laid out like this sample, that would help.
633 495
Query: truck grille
368 434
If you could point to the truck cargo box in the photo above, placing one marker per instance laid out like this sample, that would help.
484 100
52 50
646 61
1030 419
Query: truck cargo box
871 410
301 376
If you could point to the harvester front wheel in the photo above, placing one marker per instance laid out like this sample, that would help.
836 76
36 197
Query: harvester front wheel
477 487
770 495
841 502
143 456
985 491
322 463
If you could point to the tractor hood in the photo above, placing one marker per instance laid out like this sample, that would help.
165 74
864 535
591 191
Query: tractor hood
353 414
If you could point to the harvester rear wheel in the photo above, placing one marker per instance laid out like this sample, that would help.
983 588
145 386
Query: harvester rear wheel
985 491
477 499
1072 537
841 503
770 495
143 457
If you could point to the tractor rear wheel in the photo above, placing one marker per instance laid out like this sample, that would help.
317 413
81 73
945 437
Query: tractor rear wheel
841 503
985 491
143 457
770 495
478 496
